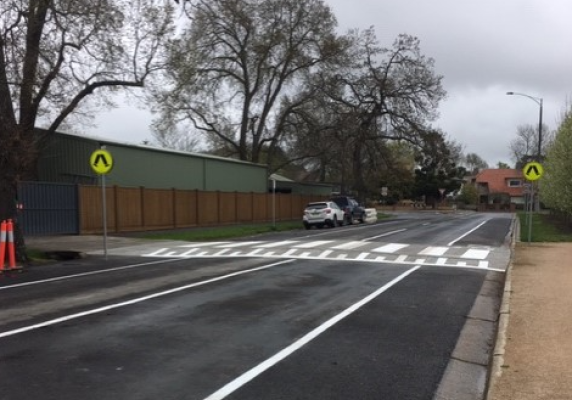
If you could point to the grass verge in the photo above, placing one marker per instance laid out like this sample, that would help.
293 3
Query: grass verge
545 228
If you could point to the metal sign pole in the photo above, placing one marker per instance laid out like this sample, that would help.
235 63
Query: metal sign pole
530 206
104 210
274 203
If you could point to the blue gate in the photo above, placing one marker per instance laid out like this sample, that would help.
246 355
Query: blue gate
48 208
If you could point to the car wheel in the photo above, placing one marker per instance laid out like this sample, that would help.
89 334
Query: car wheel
307 225
341 222
333 222
361 218
349 219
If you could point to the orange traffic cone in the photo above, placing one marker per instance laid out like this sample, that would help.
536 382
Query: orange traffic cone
2 244
11 246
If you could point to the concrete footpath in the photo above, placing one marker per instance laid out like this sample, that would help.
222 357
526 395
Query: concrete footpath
533 356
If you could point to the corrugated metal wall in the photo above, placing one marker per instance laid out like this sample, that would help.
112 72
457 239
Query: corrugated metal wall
48 208
66 159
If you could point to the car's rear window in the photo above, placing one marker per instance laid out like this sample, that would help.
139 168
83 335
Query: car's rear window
341 201
317 206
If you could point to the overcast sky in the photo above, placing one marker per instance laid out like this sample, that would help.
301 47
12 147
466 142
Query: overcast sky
482 48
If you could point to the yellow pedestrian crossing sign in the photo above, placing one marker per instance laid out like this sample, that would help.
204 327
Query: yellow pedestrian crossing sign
101 162
533 171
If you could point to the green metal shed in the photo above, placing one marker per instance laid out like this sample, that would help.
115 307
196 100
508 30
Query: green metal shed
65 158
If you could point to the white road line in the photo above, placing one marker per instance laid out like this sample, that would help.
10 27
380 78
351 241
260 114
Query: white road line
185 254
315 243
476 254
385 234
349 245
201 244
468 233
400 259
362 256
138 300
434 251
277 244
325 253
239 244
243 379
101 271
156 253
390 248
441 261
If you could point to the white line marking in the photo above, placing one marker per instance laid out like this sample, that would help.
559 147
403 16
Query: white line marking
483 264
441 261
385 234
138 300
243 379
342 256
313 244
390 248
362 256
239 244
478 254
349 245
289 252
278 244
102 271
255 252
220 253
201 244
468 233
189 252
325 253
434 251
401 259
156 253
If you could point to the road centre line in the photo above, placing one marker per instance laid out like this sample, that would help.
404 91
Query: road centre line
468 233
243 379
138 300
101 271
384 234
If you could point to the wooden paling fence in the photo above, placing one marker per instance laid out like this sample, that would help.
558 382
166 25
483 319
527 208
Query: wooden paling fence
130 209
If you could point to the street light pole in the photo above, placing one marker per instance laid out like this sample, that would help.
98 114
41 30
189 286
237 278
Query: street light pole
539 101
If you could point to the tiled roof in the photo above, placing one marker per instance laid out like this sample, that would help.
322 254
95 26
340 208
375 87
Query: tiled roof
497 180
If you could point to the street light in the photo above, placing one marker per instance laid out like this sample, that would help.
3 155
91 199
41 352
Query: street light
537 100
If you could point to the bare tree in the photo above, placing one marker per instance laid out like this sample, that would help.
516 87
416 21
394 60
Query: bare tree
57 55
238 61
524 146
474 163
388 94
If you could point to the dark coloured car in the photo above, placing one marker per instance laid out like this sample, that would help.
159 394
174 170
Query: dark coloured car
352 209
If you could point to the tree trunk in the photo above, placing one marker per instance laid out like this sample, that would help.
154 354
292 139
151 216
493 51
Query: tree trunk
16 165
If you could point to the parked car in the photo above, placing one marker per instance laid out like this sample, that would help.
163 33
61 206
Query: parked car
352 209
323 213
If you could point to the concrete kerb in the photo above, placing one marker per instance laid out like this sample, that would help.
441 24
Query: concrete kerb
472 370
504 316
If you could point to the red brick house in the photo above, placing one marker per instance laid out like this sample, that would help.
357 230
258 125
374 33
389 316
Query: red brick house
499 188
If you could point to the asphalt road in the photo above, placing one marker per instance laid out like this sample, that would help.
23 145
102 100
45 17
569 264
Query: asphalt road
358 312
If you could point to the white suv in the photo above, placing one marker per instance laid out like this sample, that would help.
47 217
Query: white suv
323 213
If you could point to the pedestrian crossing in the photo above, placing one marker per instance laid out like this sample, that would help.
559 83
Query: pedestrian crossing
363 251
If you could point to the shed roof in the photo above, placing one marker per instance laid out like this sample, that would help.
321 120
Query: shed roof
105 141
